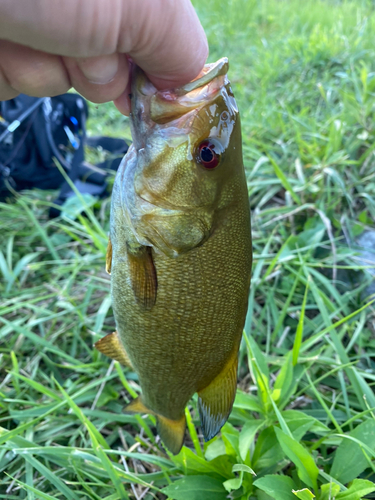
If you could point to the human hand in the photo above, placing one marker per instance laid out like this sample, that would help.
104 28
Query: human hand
49 46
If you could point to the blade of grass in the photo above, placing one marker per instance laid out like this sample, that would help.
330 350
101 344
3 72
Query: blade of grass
299 331
284 181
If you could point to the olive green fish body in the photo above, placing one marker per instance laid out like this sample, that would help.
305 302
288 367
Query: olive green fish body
180 254
183 342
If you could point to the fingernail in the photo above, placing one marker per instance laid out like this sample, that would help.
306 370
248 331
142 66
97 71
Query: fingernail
99 70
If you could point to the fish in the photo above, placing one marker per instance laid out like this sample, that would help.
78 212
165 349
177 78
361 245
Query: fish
180 252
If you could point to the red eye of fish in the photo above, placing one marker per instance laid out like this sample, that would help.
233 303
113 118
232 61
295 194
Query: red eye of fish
207 156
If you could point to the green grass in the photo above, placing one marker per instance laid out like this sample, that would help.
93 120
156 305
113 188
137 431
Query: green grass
304 416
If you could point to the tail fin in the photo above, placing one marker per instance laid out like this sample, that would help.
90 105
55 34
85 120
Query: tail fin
172 432
216 400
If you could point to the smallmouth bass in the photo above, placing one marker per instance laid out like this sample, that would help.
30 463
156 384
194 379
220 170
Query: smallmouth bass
180 253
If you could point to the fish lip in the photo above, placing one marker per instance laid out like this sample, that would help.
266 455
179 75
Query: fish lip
210 72
144 95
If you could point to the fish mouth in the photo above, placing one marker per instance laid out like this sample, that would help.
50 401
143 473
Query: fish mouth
150 107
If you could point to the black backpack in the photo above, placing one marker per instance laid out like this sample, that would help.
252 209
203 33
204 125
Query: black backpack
34 131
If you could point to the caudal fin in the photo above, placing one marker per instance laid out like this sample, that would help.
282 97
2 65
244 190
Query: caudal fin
172 432
216 400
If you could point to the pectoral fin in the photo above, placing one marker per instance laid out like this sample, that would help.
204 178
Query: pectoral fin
111 346
143 276
172 432
216 400
108 257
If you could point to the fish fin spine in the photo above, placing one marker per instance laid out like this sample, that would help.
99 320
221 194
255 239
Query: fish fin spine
215 401
108 257
111 346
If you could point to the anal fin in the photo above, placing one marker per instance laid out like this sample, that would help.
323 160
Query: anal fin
143 276
111 346
216 400
172 432
137 406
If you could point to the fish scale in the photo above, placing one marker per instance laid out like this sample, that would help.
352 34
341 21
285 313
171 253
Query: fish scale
180 252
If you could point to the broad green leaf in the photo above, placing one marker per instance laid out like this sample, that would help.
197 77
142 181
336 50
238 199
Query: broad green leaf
247 402
349 459
193 433
267 450
222 466
262 495
299 423
306 468
242 468
215 449
196 488
287 391
259 370
280 418
358 489
230 436
329 491
257 354
234 484
247 436
304 494
191 463
275 394
277 487
284 378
